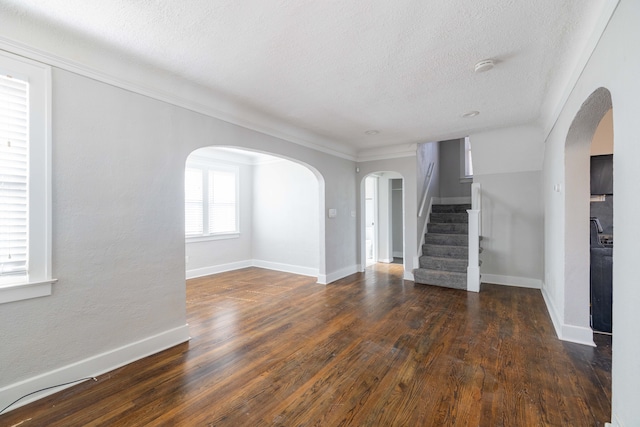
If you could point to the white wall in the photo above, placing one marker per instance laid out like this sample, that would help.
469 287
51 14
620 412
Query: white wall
450 173
507 163
285 217
406 167
118 232
426 154
613 66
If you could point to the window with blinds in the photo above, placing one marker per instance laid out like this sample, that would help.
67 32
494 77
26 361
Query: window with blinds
14 152
211 200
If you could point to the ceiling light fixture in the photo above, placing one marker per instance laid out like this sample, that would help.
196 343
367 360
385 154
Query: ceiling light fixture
372 132
469 114
484 65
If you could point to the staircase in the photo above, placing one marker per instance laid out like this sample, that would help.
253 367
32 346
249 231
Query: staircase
445 252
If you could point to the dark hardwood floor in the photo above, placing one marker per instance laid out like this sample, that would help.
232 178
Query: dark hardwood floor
276 349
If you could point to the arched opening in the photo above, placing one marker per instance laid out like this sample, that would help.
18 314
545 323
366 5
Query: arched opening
382 218
577 310
271 219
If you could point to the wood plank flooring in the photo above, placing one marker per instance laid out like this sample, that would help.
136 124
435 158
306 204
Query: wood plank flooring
276 349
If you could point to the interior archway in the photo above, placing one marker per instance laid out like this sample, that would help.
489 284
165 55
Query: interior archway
577 208
281 212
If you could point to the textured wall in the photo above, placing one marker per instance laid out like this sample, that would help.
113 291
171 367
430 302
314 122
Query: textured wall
118 224
285 214
612 67
450 173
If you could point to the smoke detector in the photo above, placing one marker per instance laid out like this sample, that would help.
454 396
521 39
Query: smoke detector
484 65
470 114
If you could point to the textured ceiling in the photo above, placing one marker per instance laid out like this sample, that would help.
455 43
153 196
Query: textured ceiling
335 69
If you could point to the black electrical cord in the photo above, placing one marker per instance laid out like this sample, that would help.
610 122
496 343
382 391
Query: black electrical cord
43 389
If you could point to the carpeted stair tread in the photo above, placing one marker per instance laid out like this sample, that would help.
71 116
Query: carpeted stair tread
458 218
450 208
458 265
445 251
445 279
449 228
446 239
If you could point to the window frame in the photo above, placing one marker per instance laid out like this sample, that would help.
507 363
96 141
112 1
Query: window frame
206 165
465 146
38 279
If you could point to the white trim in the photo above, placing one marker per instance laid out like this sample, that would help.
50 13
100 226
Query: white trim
215 236
576 334
325 279
22 291
553 313
386 260
159 94
38 281
276 266
214 269
451 200
92 366
519 282
408 275
397 254
385 156
287 268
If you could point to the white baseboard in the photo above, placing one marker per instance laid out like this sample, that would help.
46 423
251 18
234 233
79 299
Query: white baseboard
386 260
571 333
408 275
520 282
577 334
287 268
451 200
206 271
91 367
324 279
398 254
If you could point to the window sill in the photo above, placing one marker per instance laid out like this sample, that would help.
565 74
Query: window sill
25 290
211 237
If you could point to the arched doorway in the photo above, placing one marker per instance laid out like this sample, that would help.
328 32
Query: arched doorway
279 205
577 209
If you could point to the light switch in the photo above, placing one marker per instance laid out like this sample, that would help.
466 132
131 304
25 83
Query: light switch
333 213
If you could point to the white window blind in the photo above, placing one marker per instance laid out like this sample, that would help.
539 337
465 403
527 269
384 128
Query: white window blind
14 137
211 199
222 202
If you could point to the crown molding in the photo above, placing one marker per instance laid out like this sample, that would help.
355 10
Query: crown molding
386 153
307 140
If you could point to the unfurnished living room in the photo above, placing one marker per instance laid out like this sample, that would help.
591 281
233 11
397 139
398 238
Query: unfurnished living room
319 213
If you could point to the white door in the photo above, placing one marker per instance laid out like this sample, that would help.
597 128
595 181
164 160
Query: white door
370 217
